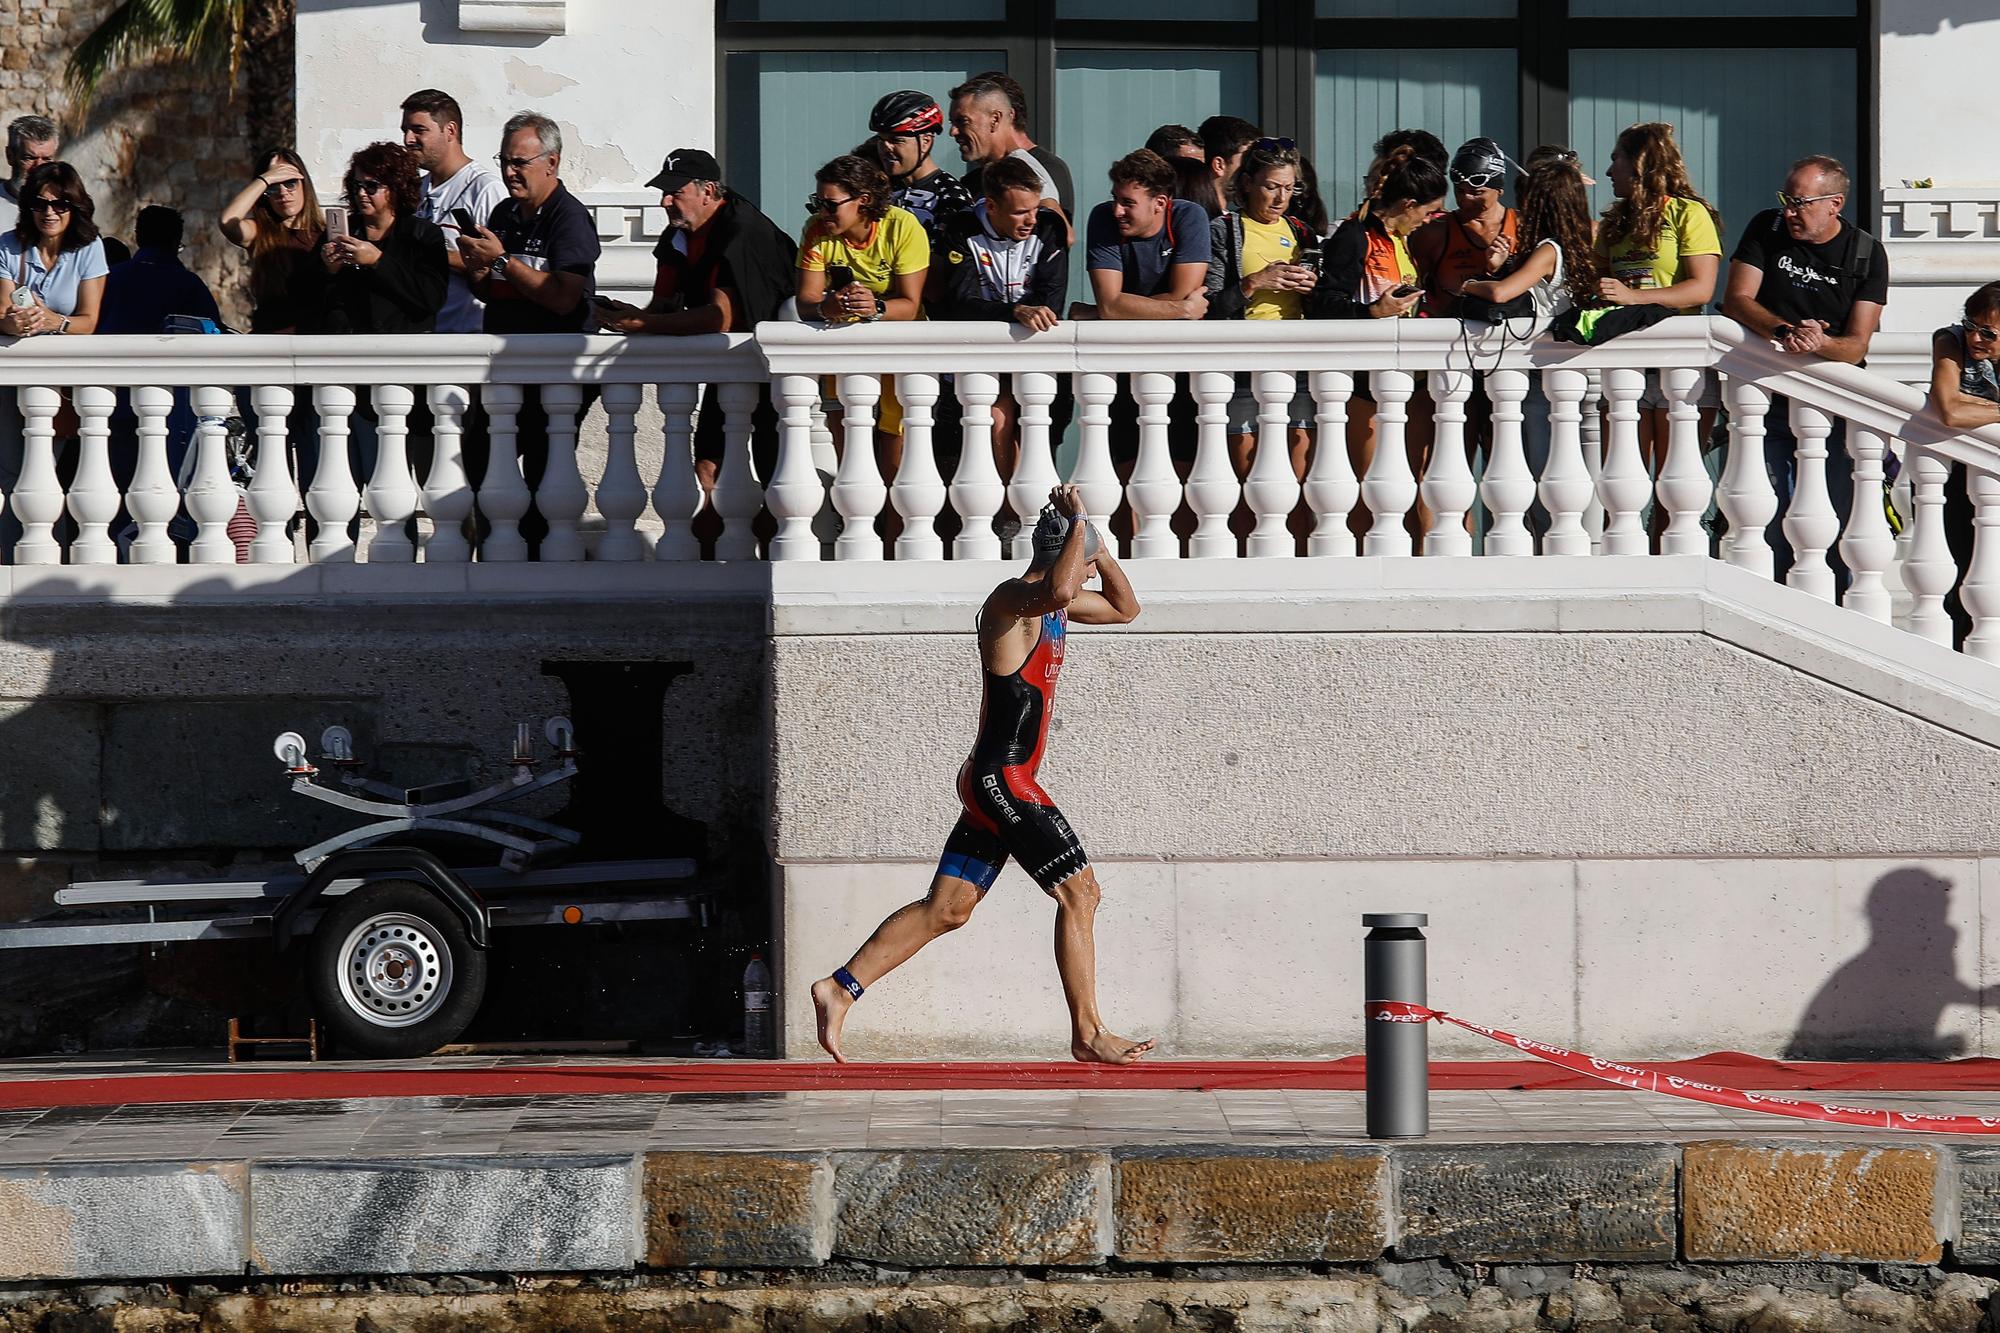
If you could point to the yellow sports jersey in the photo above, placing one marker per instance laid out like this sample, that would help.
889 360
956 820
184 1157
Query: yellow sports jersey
1686 228
1265 244
896 245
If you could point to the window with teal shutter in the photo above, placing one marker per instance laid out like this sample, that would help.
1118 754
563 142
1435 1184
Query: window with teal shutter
1362 95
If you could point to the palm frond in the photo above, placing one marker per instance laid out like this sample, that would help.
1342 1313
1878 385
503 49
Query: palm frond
206 33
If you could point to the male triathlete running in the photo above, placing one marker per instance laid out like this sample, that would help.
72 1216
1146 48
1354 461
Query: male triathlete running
1021 637
906 125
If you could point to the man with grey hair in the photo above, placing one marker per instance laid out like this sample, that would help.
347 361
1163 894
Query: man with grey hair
1022 632
534 263
32 141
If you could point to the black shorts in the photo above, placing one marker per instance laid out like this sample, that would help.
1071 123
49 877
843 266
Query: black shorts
1007 814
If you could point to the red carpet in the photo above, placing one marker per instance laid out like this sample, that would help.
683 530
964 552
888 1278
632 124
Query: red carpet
305 1083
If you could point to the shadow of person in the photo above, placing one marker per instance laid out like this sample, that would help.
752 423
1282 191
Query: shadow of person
1887 1001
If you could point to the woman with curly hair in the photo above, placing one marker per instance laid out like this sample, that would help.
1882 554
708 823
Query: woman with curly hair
1558 266
277 219
388 270
1661 243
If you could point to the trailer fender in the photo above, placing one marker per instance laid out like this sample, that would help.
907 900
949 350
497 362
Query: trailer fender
369 863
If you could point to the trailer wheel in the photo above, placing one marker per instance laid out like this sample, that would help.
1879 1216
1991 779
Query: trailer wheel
393 971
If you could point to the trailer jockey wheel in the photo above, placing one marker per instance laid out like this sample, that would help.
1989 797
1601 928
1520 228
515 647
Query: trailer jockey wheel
393 971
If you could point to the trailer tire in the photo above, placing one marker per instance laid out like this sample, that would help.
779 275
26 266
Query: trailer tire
393 971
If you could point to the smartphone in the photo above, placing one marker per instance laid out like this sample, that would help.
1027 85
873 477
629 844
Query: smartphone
462 218
1309 258
336 226
838 276
1406 290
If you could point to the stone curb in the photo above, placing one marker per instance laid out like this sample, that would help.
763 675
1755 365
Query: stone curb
1732 1201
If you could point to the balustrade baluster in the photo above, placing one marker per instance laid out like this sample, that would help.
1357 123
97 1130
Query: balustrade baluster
1390 488
447 493
331 498
1867 546
794 495
392 496
1447 484
738 494
93 495
1508 488
37 500
1094 477
1684 487
212 497
1592 430
858 491
503 491
1272 489
918 490
1154 491
153 499
1331 488
1035 467
621 496
677 494
1212 487
1745 496
561 497
273 497
1567 486
1928 571
1981 590
1623 487
975 489
1810 524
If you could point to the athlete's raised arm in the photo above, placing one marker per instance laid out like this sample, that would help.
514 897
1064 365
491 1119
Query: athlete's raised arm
1115 604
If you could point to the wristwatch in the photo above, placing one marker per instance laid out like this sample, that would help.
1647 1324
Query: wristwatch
64 326
499 269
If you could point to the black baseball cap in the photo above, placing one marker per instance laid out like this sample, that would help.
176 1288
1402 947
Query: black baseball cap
684 165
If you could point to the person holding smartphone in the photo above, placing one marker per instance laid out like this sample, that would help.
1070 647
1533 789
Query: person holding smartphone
459 194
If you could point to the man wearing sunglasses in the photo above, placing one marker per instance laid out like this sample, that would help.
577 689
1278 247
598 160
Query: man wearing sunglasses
1815 285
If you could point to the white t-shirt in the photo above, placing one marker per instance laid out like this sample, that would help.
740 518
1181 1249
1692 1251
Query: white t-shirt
1041 172
1550 296
476 188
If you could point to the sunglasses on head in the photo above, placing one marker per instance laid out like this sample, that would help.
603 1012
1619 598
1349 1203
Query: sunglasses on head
1274 145
820 204
57 206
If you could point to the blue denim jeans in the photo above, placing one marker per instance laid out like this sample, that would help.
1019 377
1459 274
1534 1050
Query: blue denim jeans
1781 463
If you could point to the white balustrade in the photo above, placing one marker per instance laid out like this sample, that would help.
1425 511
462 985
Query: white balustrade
1747 501
1094 476
738 495
212 497
1154 491
1928 571
503 491
1389 488
447 494
1331 488
976 492
37 500
858 491
677 496
1567 485
1508 488
1447 485
392 494
918 491
794 494
273 497
1035 466
1272 489
1212 487
1592 429
621 496
1981 590
561 496
93 494
1683 487
1810 524
1623 487
152 498
1867 546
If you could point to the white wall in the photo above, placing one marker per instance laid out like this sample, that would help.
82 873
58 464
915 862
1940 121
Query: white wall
627 82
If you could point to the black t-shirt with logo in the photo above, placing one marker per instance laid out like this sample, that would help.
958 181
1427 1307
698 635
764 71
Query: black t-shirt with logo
560 238
1807 281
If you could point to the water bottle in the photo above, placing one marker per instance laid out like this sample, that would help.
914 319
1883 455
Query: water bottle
757 1007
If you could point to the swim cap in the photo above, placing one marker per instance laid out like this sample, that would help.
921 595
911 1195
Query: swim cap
1052 531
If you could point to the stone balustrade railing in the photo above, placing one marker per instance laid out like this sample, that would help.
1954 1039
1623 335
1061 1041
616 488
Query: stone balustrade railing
1594 489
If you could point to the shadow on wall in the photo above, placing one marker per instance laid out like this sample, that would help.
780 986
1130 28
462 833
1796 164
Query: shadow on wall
1919 18
1886 1002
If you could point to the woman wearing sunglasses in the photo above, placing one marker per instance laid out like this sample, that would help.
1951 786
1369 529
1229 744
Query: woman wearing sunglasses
52 265
1965 395
388 272
277 218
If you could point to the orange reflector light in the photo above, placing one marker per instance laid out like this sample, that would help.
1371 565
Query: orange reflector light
572 916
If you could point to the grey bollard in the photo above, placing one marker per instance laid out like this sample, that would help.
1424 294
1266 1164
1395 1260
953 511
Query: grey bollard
1399 1073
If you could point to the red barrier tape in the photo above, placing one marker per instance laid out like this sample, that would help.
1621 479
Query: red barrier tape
1651 1080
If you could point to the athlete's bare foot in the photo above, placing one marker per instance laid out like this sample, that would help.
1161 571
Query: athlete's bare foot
1106 1049
831 1001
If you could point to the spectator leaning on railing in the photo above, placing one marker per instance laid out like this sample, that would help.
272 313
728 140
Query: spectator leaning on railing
140 293
1815 285
32 141
1965 395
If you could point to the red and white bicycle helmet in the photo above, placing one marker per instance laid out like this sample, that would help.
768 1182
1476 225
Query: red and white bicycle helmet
906 112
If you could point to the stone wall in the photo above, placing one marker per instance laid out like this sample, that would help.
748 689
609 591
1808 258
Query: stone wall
161 133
